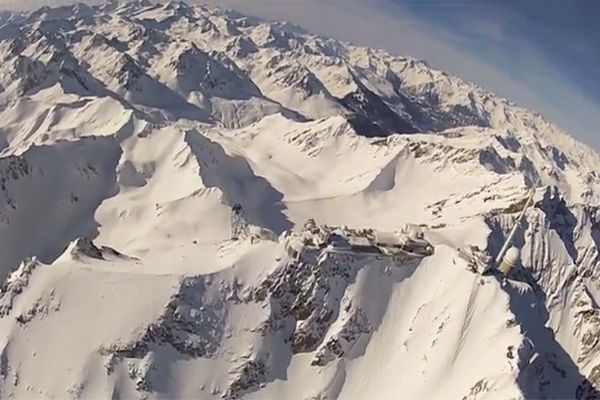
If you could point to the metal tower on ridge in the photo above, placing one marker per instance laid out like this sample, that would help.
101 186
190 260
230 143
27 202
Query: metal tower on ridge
239 224
509 256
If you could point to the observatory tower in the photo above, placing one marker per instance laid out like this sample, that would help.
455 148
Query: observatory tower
509 255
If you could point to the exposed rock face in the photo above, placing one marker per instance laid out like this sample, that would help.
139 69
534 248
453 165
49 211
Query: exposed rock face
192 324
309 292
15 284
338 344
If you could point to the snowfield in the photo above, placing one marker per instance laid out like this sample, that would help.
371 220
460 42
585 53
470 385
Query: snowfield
129 133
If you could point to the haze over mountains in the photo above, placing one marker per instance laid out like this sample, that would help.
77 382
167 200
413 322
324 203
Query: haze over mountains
131 130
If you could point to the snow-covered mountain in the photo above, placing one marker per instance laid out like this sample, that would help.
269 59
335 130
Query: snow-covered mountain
132 132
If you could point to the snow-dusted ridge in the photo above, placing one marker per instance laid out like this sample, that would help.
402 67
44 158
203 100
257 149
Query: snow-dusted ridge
130 130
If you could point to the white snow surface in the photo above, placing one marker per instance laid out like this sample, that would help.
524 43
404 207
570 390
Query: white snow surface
130 130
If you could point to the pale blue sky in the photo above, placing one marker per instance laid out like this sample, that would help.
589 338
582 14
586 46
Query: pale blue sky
546 45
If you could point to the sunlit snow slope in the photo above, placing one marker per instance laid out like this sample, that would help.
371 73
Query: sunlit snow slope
128 131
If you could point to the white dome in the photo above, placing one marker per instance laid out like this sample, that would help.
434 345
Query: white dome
255 230
512 256
262 233
413 232
510 260
310 224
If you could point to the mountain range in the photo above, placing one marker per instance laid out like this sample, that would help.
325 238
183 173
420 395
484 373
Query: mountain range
133 133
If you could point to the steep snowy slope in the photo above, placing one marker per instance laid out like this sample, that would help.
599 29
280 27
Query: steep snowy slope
132 133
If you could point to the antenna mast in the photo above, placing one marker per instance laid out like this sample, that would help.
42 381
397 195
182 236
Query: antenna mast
239 223
514 229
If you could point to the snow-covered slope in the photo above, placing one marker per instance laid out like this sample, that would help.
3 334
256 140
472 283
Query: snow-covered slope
130 132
